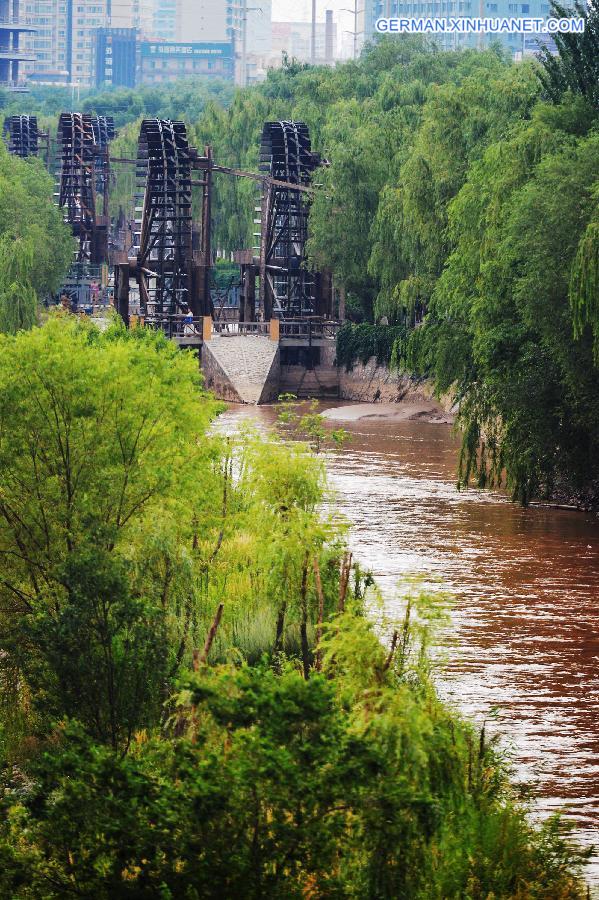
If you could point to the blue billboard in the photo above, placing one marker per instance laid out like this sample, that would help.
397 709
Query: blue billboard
180 50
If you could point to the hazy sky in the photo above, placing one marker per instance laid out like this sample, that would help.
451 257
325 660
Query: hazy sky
296 10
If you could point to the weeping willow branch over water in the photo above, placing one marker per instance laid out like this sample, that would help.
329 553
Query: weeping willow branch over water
584 285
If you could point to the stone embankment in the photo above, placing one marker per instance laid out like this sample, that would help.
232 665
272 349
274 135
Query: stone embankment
248 369
242 368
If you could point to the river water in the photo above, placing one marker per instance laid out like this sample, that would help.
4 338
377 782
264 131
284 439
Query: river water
525 650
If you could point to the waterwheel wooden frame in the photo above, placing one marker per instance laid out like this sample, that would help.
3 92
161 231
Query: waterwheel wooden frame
165 252
22 135
287 286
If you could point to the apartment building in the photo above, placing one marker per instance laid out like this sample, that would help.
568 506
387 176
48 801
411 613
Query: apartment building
202 20
165 20
87 17
138 14
369 11
63 47
49 44
250 29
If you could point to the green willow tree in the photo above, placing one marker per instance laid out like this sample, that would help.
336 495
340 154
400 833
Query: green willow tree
35 245
124 525
584 284
356 782
575 68
500 329
97 451
18 299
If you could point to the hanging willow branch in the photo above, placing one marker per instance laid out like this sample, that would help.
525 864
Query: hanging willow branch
18 300
584 285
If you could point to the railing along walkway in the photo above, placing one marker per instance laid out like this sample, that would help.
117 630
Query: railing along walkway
187 330
309 330
261 329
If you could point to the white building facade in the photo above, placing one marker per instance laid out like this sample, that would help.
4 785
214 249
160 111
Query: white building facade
201 20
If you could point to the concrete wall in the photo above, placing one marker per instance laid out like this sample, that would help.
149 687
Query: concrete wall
272 385
321 381
366 383
215 379
242 369
371 382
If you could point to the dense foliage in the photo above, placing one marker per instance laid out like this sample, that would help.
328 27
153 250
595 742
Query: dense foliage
295 755
177 100
360 343
576 66
511 320
35 247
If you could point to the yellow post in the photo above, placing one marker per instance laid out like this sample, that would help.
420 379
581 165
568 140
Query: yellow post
275 330
207 328
133 321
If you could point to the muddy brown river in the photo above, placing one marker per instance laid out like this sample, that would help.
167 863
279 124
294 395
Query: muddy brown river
525 654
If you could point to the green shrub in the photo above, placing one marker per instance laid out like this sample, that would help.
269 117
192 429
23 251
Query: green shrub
360 343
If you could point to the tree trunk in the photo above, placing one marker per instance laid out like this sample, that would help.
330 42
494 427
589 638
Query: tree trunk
304 623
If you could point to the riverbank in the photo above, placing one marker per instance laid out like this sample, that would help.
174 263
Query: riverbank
524 640
410 409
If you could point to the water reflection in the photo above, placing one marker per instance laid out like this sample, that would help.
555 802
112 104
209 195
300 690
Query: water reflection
526 618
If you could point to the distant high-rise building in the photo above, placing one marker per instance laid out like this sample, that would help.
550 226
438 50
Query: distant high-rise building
50 45
165 20
250 29
64 39
86 16
201 20
64 44
295 40
138 14
116 57
14 50
162 62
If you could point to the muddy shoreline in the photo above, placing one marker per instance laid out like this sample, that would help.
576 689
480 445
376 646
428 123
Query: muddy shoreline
388 413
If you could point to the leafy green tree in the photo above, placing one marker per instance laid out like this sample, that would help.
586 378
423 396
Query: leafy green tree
35 245
18 299
501 327
100 452
410 232
576 66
